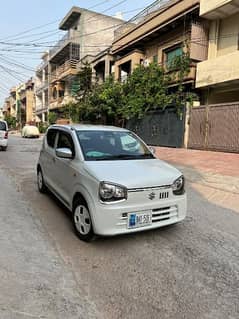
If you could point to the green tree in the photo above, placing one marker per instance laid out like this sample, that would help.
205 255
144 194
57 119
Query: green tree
82 84
145 89
11 121
106 102
52 117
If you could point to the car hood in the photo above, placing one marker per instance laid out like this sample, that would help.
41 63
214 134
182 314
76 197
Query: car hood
133 173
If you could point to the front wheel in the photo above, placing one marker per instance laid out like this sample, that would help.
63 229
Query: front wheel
40 182
82 221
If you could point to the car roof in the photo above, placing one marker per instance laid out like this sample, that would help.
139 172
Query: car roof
89 127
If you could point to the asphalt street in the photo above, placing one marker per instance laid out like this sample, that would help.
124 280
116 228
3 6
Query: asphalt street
190 270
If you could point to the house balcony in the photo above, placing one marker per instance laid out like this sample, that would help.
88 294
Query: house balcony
218 9
67 46
218 71
60 102
151 24
56 103
64 71
190 77
40 68
40 108
41 87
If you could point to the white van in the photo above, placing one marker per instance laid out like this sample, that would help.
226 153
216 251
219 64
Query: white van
3 135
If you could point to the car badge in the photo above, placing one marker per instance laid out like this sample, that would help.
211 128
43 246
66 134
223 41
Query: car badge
152 196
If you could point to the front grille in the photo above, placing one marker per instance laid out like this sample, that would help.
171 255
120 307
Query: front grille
164 213
158 215
163 195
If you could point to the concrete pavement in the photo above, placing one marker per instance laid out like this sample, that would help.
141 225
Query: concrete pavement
215 169
35 282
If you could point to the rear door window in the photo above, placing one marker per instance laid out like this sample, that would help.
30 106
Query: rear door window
51 137
3 126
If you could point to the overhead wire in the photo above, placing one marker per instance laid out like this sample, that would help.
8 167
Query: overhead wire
12 73
43 44
47 24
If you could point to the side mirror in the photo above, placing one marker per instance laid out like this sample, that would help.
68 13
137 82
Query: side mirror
152 149
64 152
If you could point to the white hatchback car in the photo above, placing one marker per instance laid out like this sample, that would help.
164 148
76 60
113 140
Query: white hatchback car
3 135
30 131
110 180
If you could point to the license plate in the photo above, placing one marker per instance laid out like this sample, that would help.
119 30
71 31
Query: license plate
136 220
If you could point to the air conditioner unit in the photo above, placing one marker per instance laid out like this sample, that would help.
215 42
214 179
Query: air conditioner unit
146 62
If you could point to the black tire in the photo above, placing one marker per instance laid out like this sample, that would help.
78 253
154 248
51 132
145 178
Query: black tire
40 182
4 148
82 224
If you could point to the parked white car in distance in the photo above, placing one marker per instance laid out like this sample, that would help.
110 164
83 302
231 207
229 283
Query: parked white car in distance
110 180
3 135
30 131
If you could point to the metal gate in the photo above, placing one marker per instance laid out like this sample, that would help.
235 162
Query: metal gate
215 127
161 128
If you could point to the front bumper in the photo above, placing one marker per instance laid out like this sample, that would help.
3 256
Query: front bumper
112 219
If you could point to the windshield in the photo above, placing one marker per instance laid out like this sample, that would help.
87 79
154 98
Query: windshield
112 145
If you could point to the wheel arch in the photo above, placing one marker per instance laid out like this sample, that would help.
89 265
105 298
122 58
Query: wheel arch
80 196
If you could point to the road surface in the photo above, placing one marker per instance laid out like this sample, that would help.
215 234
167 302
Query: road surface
190 270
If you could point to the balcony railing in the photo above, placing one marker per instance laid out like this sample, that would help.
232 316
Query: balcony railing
42 86
66 67
41 66
71 35
142 16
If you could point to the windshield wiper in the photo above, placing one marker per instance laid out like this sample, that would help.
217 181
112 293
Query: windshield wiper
128 156
121 157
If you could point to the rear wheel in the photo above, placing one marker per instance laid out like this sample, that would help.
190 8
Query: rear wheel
82 221
4 148
40 182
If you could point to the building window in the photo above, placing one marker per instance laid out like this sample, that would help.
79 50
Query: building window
155 59
172 54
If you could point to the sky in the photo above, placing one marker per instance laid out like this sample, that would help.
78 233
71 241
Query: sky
25 22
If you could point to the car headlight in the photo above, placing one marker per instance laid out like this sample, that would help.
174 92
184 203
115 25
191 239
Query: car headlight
178 186
111 192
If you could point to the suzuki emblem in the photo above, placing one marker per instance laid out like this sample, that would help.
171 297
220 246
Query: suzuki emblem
152 196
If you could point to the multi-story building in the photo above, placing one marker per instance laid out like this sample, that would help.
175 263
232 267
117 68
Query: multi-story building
87 33
159 33
103 65
218 76
162 31
214 125
9 106
25 102
42 89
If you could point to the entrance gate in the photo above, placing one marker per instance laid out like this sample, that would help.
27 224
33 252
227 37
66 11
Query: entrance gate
215 127
161 128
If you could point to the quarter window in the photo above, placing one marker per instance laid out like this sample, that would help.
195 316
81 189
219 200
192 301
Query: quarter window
51 136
